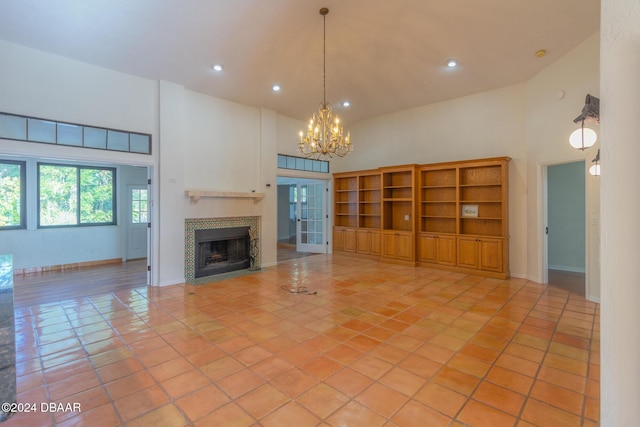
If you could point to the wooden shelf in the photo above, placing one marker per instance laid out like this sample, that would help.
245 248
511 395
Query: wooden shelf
196 195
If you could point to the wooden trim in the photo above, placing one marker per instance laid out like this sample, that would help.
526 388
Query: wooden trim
63 267
197 194
472 271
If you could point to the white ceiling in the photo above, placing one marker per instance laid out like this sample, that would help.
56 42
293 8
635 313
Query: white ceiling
382 55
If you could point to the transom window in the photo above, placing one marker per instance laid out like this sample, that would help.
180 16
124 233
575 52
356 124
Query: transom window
33 129
302 164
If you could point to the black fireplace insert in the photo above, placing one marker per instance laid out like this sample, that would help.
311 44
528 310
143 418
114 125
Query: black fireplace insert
221 250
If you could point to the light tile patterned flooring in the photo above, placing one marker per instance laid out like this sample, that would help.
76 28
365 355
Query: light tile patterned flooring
377 345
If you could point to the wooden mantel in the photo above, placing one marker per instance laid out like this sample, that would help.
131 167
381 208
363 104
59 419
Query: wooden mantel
197 194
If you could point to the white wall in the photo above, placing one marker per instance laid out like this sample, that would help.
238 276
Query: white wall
287 131
619 113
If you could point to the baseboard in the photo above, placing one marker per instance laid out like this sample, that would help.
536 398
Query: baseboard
63 267
565 268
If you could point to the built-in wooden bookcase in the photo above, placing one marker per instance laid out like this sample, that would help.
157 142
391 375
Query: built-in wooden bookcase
463 212
346 201
438 200
450 215
398 213
482 199
369 201
345 212
398 198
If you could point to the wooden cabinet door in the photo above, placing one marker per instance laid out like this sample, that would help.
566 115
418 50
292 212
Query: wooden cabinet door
427 248
376 243
369 242
437 249
490 258
446 250
389 245
404 246
344 239
364 241
350 240
338 239
468 252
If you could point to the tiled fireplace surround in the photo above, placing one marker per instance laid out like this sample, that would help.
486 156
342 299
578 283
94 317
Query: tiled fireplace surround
193 224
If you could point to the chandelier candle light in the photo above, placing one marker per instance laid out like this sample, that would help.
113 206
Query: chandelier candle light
325 136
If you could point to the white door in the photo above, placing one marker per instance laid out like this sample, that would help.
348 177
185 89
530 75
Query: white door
137 221
311 221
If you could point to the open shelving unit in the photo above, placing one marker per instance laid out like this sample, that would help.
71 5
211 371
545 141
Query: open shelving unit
369 200
398 213
482 200
438 200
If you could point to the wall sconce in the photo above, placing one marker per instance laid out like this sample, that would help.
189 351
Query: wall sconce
584 138
595 168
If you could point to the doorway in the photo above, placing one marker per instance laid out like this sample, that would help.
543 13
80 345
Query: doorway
565 229
302 217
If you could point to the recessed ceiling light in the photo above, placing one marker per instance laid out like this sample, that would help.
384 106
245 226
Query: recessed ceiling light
276 88
346 104
452 63
217 67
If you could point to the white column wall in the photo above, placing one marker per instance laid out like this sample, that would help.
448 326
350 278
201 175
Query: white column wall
170 185
620 118
268 168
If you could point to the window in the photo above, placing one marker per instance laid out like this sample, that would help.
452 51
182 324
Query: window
12 194
298 163
32 129
75 195
139 210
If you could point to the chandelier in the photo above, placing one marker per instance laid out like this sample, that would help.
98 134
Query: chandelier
325 136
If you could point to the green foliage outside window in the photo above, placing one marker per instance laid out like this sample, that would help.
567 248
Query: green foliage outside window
11 194
71 195
139 207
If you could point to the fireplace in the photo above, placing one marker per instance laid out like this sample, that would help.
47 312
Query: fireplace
221 250
207 258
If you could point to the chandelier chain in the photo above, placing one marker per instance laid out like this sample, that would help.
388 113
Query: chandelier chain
324 59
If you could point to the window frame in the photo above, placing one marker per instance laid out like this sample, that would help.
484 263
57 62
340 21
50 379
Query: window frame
23 195
79 168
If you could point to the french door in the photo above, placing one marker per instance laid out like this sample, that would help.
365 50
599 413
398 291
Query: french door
311 216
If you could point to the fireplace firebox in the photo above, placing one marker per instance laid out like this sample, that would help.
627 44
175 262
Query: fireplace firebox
221 250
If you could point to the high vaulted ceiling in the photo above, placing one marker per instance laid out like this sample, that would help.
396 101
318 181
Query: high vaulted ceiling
382 55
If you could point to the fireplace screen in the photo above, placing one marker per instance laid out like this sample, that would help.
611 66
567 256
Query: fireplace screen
221 250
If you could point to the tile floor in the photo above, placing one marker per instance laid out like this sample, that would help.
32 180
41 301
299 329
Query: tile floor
369 344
